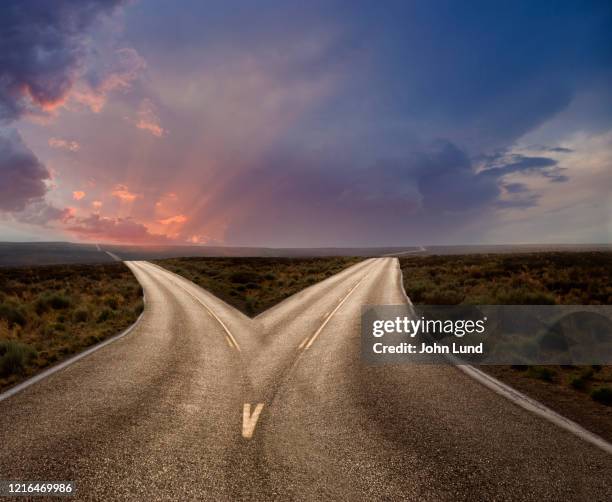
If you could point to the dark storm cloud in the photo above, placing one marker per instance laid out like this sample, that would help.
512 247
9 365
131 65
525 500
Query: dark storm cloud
520 164
42 47
317 199
447 182
41 50
515 187
503 165
41 213
366 87
22 175
559 149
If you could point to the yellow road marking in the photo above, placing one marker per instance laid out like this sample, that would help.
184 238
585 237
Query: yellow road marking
249 421
318 332
225 328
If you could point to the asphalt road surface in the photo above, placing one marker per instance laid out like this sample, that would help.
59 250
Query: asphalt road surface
199 402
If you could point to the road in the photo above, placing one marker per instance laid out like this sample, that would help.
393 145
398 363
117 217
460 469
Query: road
199 402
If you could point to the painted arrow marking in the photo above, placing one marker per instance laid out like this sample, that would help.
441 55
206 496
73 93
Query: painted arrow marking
249 421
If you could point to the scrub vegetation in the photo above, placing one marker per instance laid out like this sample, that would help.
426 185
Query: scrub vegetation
253 285
546 278
48 313
510 279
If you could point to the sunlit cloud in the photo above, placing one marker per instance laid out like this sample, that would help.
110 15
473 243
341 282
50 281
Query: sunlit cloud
178 219
63 144
148 119
122 192
125 69
325 142
199 239
107 229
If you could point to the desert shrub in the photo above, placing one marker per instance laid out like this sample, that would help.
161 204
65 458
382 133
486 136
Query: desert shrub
13 314
111 302
439 296
13 357
525 297
578 382
80 315
243 277
104 315
55 301
602 395
59 302
541 373
250 305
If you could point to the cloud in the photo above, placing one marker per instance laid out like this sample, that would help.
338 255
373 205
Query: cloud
43 58
328 141
431 194
148 119
122 192
551 149
78 194
63 144
315 199
92 91
515 187
22 175
448 182
43 51
42 213
173 220
101 228
500 165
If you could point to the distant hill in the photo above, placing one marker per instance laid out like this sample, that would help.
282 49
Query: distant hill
51 253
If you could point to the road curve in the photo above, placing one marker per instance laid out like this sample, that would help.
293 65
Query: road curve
160 413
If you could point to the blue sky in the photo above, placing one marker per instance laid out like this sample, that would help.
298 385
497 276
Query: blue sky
306 124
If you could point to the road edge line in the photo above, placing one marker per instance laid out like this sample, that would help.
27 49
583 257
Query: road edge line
64 364
199 300
527 403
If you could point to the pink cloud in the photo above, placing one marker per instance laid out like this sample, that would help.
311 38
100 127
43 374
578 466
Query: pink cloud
63 144
96 227
178 219
78 194
148 119
122 192
124 70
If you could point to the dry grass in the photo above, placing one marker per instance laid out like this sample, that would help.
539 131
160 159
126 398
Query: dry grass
49 313
253 285
510 279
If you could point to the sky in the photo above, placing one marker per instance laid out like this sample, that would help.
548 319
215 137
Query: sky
305 124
